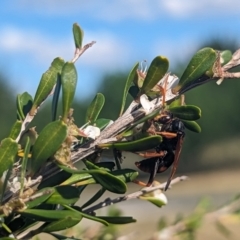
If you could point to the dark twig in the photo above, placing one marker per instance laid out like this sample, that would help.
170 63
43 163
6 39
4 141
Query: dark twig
134 195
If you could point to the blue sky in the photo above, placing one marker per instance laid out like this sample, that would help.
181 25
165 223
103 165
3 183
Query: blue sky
32 33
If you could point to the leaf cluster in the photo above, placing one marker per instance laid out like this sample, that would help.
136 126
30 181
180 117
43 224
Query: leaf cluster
39 181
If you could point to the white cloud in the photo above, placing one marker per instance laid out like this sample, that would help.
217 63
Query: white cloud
32 43
131 9
189 8
109 52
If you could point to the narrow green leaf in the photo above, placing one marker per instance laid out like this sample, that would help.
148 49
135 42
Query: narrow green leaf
48 142
84 172
107 165
78 210
55 180
95 108
107 180
8 153
79 177
69 84
118 220
133 91
64 195
62 224
56 97
49 215
135 146
24 164
4 185
126 175
58 65
78 35
101 123
24 105
61 237
47 83
186 112
156 72
94 218
192 126
201 62
44 194
128 83
94 198
15 130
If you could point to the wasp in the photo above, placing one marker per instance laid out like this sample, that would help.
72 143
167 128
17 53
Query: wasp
167 153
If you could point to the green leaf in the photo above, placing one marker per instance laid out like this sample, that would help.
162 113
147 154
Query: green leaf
129 81
69 84
94 198
95 108
86 178
47 143
56 97
107 165
154 200
29 133
118 220
47 83
192 126
176 103
44 194
156 72
135 146
133 91
57 90
77 210
78 35
24 105
101 123
107 180
4 183
24 164
201 62
226 56
49 215
126 175
55 180
61 237
94 218
62 224
64 195
186 112
15 130
8 153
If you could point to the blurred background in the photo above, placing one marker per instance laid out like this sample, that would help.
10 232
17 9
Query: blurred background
33 33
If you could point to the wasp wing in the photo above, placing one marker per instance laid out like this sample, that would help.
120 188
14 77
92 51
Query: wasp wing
176 160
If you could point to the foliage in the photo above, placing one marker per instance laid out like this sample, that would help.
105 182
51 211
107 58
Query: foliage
40 183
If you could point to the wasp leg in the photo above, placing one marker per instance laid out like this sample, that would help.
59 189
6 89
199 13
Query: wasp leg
167 134
153 172
152 154
140 183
